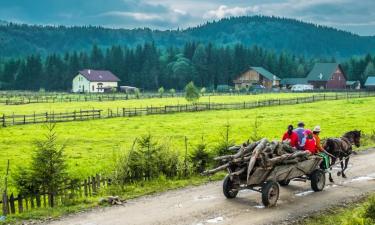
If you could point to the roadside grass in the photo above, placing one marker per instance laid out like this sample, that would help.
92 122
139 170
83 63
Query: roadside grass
359 213
114 105
127 192
92 146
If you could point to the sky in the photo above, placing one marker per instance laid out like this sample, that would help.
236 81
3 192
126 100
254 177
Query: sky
357 16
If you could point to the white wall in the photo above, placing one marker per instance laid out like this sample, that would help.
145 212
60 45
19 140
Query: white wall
94 86
80 84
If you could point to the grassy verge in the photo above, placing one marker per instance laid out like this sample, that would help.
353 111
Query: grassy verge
114 105
358 213
125 192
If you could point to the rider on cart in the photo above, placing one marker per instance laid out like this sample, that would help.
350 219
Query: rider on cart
320 150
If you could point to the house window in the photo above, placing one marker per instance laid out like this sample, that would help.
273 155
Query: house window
93 88
339 78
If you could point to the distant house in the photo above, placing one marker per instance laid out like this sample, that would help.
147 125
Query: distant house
289 82
370 83
327 76
350 84
256 76
94 81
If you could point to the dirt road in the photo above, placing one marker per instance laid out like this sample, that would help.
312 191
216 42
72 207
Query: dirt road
207 205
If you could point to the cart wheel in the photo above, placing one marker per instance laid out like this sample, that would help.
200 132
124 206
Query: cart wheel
284 182
318 180
270 193
228 188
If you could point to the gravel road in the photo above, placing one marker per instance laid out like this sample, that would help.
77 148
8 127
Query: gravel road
206 204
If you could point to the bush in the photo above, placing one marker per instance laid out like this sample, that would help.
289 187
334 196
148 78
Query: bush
191 92
200 158
172 92
370 209
146 160
224 143
47 172
161 92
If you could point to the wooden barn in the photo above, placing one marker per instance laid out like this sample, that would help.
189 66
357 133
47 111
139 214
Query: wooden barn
256 76
327 76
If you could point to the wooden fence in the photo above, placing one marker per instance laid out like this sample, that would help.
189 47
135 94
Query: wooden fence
8 120
22 100
13 204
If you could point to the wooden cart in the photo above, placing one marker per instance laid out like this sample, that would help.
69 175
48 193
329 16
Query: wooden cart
267 180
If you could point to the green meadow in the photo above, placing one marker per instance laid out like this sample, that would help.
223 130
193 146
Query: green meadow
92 146
114 105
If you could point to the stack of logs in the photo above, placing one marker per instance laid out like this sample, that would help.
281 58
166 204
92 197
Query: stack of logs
263 153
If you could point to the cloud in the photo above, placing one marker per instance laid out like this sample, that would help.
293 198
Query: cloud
352 15
225 11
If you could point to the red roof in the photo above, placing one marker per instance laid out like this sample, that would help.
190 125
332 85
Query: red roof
99 75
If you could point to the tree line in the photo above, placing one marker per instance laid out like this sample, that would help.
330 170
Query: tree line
148 67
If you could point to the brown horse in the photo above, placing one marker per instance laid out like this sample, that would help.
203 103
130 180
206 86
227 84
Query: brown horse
341 148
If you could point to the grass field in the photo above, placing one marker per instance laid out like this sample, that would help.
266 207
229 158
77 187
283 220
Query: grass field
360 213
71 106
92 145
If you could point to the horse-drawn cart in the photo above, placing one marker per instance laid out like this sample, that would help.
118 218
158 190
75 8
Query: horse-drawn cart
267 180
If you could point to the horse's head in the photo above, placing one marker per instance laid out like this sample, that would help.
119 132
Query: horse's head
354 137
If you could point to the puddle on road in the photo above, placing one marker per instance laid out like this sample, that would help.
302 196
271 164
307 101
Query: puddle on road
331 186
360 179
179 205
202 198
215 220
212 221
300 194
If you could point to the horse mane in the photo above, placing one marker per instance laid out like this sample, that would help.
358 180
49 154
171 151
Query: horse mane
352 134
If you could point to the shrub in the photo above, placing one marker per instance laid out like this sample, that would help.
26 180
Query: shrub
200 158
191 92
225 142
47 172
203 91
172 92
137 93
370 209
161 92
146 160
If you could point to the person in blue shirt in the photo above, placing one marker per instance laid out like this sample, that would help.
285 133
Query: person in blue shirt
300 132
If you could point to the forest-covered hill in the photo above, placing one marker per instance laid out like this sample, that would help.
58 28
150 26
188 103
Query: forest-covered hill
278 34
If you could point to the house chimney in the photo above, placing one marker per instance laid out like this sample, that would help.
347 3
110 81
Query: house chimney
89 71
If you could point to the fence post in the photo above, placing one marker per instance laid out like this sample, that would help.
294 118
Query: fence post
85 187
97 181
38 203
5 204
19 201
46 116
3 120
93 184
11 203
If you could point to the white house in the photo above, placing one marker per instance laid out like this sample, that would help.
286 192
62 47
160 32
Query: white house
94 81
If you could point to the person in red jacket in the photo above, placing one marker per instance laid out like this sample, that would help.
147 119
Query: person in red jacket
291 136
309 142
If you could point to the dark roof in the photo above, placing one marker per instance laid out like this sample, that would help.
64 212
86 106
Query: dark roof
351 82
370 81
323 71
99 75
293 81
265 73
